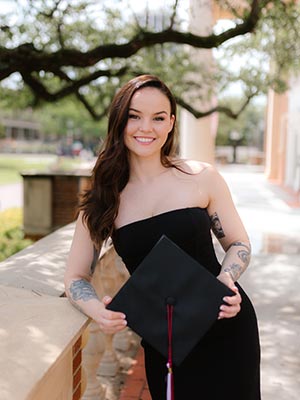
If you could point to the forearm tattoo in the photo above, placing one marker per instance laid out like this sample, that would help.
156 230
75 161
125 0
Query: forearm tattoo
216 226
244 255
235 269
240 244
82 290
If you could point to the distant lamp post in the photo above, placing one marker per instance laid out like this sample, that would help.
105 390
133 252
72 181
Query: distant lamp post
235 139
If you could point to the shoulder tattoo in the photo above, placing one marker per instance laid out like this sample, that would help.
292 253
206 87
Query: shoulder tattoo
216 226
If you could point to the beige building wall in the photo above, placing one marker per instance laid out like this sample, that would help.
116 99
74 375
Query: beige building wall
282 137
276 132
197 136
292 165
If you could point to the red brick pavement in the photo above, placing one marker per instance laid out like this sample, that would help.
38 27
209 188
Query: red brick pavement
135 387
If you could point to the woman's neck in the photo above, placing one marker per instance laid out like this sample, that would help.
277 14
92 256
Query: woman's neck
145 169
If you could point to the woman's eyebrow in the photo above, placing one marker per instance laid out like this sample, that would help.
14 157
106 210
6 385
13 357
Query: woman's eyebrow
159 112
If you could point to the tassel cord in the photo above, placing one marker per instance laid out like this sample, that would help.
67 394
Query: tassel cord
170 380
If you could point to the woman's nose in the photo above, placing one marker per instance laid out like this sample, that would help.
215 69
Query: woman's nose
145 126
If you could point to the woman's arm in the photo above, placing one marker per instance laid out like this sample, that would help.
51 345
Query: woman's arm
229 230
228 227
78 285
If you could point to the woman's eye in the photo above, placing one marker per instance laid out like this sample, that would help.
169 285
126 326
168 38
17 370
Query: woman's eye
133 116
159 119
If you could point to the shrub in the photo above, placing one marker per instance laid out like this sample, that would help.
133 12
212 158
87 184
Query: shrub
11 233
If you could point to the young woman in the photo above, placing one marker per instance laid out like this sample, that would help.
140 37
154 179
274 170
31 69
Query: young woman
141 190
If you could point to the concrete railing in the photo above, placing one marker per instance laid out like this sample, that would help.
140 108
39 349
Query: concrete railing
49 350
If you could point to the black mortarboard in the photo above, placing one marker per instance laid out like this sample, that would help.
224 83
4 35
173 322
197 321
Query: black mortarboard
170 279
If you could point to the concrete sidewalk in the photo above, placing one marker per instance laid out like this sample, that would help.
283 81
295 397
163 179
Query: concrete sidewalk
273 277
272 281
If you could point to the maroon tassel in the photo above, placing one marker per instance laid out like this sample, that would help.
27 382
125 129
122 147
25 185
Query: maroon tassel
170 378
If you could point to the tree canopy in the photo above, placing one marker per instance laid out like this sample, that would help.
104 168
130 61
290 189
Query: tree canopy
85 49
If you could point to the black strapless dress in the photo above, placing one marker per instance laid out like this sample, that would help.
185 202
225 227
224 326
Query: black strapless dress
225 364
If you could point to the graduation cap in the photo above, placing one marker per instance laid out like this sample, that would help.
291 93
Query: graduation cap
171 301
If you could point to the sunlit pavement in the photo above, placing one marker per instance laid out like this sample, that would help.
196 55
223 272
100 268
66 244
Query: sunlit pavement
273 278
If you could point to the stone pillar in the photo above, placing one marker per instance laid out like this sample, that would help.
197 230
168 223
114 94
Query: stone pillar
106 282
121 339
51 200
275 135
92 354
292 145
197 136
110 364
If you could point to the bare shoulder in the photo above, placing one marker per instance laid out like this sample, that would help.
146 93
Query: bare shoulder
204 174
195 168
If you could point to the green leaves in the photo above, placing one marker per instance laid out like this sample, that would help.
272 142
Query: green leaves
11 233
86 49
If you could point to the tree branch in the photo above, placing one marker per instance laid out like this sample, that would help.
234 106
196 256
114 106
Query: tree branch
96 116
42 92
26 58
173 16
223 109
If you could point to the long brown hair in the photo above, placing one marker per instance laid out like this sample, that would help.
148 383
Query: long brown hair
111 172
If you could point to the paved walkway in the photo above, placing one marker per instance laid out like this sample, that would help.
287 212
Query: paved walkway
272 281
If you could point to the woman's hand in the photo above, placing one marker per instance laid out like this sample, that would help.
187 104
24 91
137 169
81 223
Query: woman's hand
110 322
233 306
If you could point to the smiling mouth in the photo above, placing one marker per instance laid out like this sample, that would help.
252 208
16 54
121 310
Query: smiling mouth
144 139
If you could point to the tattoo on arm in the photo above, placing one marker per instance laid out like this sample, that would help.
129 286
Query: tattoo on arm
82 290
244 256
216 226
235 271
240 244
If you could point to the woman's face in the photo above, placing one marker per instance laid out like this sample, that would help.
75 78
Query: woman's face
149 122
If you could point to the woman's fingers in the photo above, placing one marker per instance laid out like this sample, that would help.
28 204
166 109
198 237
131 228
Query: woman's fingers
111 321
110 324
232 306
106 300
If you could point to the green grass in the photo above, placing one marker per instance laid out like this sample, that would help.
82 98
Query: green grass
11 166
7 177
11 233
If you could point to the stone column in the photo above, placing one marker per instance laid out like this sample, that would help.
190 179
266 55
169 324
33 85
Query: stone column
197 136
121 340
275 135
106 281
92 354
292 145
